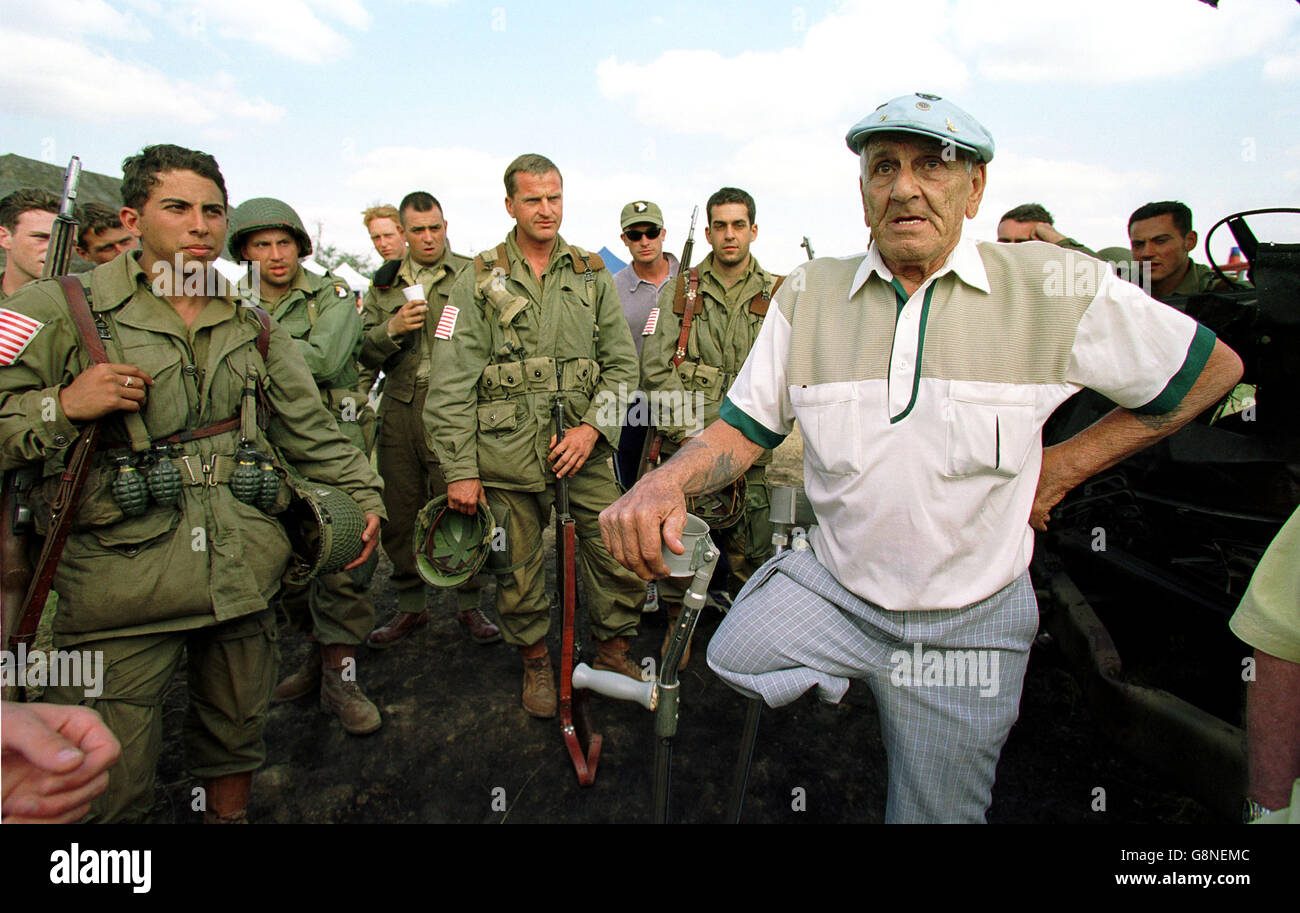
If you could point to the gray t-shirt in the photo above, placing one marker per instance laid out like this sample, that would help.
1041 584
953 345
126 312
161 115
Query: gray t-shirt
639 296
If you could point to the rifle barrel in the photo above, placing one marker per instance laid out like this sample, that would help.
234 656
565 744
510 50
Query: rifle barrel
64 231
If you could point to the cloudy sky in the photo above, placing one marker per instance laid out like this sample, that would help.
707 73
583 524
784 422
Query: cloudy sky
332 105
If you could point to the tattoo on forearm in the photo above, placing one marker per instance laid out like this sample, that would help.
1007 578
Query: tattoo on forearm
715 470
1159 422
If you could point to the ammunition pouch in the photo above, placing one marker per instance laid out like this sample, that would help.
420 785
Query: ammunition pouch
538 375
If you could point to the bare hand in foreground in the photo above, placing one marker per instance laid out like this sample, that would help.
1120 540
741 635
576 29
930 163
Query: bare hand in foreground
636 526
55 761
408 319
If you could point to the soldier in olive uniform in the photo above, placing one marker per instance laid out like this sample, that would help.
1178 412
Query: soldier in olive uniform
317 311
1161 234
534 319
190 577
395 342
731 293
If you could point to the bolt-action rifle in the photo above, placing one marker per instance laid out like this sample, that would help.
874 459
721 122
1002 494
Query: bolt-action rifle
807 245
575 724
654 439
23 589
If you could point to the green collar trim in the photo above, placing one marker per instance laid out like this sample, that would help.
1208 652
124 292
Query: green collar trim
900 295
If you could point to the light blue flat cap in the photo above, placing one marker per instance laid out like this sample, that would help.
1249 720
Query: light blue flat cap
928 115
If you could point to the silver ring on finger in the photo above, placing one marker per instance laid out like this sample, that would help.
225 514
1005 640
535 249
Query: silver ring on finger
127 382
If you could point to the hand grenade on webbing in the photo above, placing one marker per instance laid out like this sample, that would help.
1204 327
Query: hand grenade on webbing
246 479
270 483
164 479
130 491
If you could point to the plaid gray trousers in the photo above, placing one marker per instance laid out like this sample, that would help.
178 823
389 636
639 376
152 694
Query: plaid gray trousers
947 683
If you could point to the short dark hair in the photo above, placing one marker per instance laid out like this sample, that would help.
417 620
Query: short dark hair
140 172
730 195
1028 212
29 199
94 217
529 163
419 201
1182 215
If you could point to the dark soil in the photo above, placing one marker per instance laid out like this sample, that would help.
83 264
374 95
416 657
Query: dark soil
456 746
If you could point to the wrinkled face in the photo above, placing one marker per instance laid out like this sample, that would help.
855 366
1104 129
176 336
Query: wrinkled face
185 215
1159 242
730 233
426 235
274 253
537 206
1012 232
387 237
102 246
26 245
645 250
915 198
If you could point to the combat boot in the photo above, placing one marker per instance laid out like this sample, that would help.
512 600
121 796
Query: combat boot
612 656
344 697
674 613
226 798
302 682
539 682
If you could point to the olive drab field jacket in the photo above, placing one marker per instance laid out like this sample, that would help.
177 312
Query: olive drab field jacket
506 345
210 557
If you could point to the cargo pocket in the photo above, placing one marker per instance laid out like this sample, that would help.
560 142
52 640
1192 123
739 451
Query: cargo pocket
828 418
987 432
497 416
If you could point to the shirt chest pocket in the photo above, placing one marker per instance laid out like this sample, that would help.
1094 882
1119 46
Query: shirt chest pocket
829 421
167 402
989 431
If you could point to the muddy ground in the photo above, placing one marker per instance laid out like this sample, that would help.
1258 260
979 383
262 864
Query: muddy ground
457 747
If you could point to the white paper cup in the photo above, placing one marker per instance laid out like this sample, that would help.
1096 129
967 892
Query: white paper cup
413 293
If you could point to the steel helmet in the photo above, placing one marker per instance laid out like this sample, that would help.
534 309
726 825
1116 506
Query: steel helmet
265 212
451 547
324 525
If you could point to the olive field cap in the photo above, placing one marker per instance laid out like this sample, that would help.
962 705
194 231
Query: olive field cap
641 211
928 115
265 212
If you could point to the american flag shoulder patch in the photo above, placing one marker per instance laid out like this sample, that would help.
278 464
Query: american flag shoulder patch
446 323
651 322
16 331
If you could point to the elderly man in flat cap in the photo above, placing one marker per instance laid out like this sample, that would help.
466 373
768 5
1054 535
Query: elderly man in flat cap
920 374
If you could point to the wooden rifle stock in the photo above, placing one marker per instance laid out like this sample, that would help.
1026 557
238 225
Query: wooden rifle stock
575 724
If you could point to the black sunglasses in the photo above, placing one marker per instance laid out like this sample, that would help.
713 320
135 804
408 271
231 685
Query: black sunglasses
634 234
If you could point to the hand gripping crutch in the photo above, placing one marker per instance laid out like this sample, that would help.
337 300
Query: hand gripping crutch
791 516
661 697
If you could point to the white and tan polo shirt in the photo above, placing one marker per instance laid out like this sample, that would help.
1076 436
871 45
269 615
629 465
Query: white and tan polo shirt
922 417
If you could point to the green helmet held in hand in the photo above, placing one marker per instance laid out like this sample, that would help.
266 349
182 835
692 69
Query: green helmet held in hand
451 547
324 525
265 212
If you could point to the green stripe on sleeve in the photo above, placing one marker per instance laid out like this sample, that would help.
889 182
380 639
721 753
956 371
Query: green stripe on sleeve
759 434
1198 353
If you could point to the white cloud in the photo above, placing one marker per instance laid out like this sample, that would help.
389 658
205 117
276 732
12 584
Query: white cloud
846 63
864 53
291 28
50 76
1113 41
75 17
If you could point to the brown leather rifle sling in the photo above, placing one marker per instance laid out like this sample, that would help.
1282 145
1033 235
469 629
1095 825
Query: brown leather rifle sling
651 456
71 482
